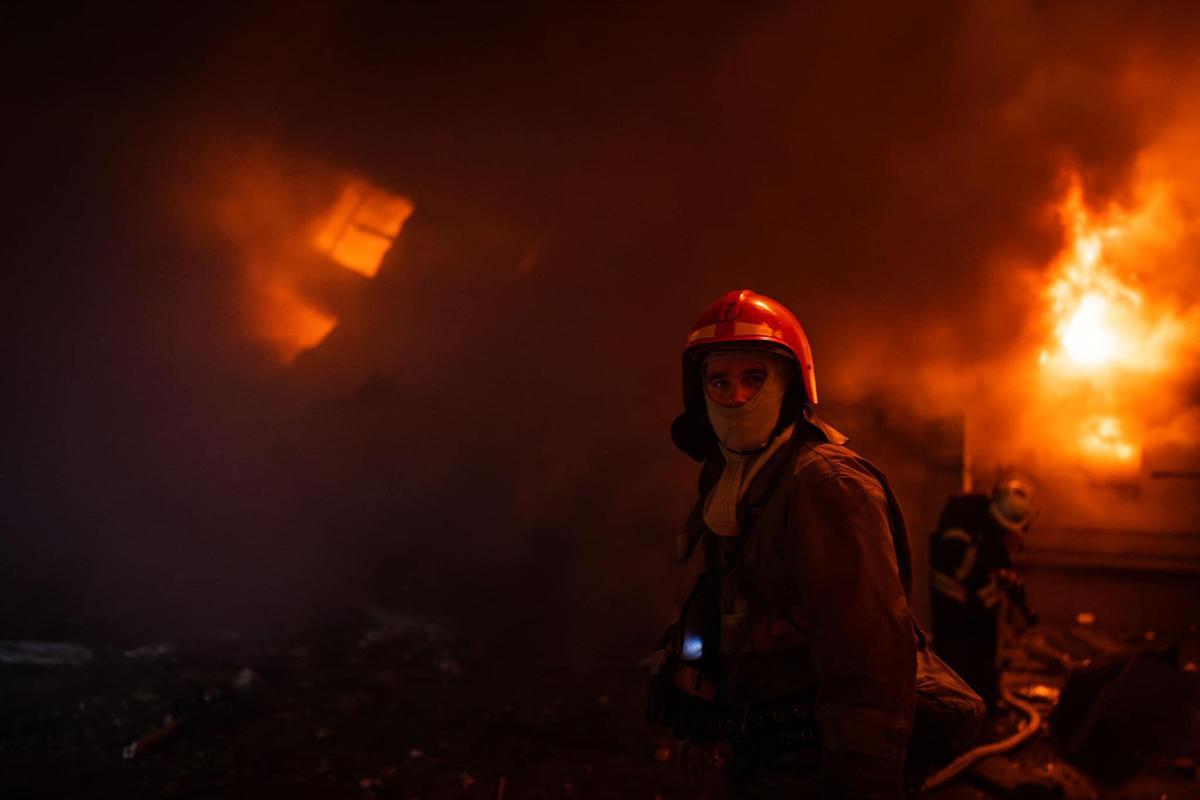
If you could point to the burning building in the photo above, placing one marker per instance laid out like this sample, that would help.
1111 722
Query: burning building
320 305
1104 412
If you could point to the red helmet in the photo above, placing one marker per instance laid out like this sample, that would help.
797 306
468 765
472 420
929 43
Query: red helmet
746 317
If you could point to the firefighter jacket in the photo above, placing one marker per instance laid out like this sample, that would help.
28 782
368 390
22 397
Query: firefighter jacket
970 576
814 603
965 554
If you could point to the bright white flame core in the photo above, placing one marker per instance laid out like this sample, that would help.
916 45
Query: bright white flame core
1087 337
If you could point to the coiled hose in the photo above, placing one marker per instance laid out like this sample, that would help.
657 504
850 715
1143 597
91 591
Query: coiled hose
1025 730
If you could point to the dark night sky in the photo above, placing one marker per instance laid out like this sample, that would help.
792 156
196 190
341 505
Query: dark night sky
868 164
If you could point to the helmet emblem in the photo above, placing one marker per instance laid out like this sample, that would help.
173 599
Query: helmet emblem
729 312
744 316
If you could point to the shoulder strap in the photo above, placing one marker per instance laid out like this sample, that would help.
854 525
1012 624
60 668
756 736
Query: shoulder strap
899 530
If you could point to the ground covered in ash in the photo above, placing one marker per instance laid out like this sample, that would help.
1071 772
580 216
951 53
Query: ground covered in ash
375 704
371 705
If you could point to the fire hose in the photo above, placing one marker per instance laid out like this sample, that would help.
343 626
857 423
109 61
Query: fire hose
1025 730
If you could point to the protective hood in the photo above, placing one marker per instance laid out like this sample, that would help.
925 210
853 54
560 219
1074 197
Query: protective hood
750 427
721 506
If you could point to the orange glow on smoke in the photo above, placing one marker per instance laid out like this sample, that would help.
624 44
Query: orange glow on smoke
1104 439
361 226
355 233
289 323
298 229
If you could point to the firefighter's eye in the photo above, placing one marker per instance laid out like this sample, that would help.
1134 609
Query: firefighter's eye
719 384
755 380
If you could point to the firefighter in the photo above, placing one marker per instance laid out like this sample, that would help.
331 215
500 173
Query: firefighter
794 661
973 583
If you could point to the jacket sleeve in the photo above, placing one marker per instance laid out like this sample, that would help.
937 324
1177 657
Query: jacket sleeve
952 556
840 550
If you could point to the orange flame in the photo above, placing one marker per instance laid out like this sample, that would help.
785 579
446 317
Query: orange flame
295 224
1107 337
1096 315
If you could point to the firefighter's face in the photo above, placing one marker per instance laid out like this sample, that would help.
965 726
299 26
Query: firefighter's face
731 382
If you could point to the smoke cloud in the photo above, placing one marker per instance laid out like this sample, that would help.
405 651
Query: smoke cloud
483 428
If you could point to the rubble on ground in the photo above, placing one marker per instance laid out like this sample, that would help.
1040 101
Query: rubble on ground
368 706
44 654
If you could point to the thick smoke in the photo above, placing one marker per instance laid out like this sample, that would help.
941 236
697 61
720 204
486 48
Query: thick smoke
485 429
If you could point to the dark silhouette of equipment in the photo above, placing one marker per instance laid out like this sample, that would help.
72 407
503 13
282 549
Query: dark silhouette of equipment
1128 705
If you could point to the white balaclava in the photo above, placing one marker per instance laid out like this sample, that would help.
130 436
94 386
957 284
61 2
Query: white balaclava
745 435
748 428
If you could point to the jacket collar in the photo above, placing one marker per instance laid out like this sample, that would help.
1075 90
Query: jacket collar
768 474
816 430
756 493
830 433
